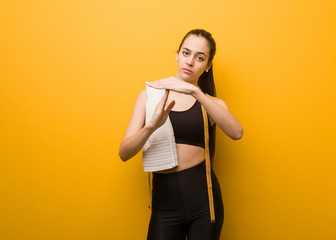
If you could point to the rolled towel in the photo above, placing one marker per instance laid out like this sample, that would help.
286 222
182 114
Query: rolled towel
159 152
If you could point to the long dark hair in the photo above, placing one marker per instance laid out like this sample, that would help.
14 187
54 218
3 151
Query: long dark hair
206 80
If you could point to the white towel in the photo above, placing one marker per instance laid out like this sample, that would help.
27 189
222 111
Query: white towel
159 152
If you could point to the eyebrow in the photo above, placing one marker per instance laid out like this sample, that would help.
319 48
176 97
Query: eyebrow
197 52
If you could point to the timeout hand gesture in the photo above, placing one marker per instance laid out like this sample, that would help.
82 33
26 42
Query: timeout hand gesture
174 84
161 114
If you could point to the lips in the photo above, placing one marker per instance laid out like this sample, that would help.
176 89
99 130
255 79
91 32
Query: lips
186 70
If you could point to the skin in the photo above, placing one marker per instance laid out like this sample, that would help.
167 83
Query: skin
181 93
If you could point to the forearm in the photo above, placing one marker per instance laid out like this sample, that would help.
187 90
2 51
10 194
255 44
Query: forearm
131 145
220 115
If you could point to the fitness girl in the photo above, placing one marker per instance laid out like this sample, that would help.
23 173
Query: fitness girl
180 203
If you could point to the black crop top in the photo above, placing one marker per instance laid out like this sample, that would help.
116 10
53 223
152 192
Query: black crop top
188 125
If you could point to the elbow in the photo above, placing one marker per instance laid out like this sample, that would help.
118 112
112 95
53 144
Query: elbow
122 156
123 152
238 134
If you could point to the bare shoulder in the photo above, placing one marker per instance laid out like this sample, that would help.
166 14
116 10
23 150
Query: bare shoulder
142 95
141 99
218 100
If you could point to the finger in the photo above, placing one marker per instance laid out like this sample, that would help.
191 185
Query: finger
149 84
170 106
163 100
160 84
155 85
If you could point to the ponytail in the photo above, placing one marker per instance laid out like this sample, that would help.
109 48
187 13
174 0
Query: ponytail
207 84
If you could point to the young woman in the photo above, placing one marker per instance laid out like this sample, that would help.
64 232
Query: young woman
180 203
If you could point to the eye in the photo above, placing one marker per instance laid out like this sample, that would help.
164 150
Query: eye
200 59
185 53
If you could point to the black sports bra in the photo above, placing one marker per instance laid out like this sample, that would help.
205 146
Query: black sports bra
188 125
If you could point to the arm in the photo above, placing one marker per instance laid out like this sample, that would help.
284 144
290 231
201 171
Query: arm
137 132
219 113
216 108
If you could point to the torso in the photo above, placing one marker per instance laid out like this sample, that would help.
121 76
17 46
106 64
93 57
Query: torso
188 155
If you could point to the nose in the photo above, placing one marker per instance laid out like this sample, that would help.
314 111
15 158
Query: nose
190 61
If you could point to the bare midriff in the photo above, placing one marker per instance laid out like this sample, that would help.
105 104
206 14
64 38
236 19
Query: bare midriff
188 156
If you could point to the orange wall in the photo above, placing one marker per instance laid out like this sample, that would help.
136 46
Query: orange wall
70 73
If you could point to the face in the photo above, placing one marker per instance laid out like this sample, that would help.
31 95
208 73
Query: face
193 58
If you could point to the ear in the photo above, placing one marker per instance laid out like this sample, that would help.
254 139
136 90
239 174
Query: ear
177 56
208 66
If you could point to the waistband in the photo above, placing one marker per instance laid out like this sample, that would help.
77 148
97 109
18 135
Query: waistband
184 171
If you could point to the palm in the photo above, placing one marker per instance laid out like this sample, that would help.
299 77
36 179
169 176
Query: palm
173 84
161 114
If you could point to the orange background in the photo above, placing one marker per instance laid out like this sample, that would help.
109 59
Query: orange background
71 71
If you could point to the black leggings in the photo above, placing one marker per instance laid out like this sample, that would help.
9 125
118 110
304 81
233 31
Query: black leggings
180 206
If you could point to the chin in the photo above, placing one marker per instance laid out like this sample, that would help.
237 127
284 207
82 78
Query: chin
187 78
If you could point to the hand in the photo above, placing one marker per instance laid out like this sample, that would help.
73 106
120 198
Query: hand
161 114
174 84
